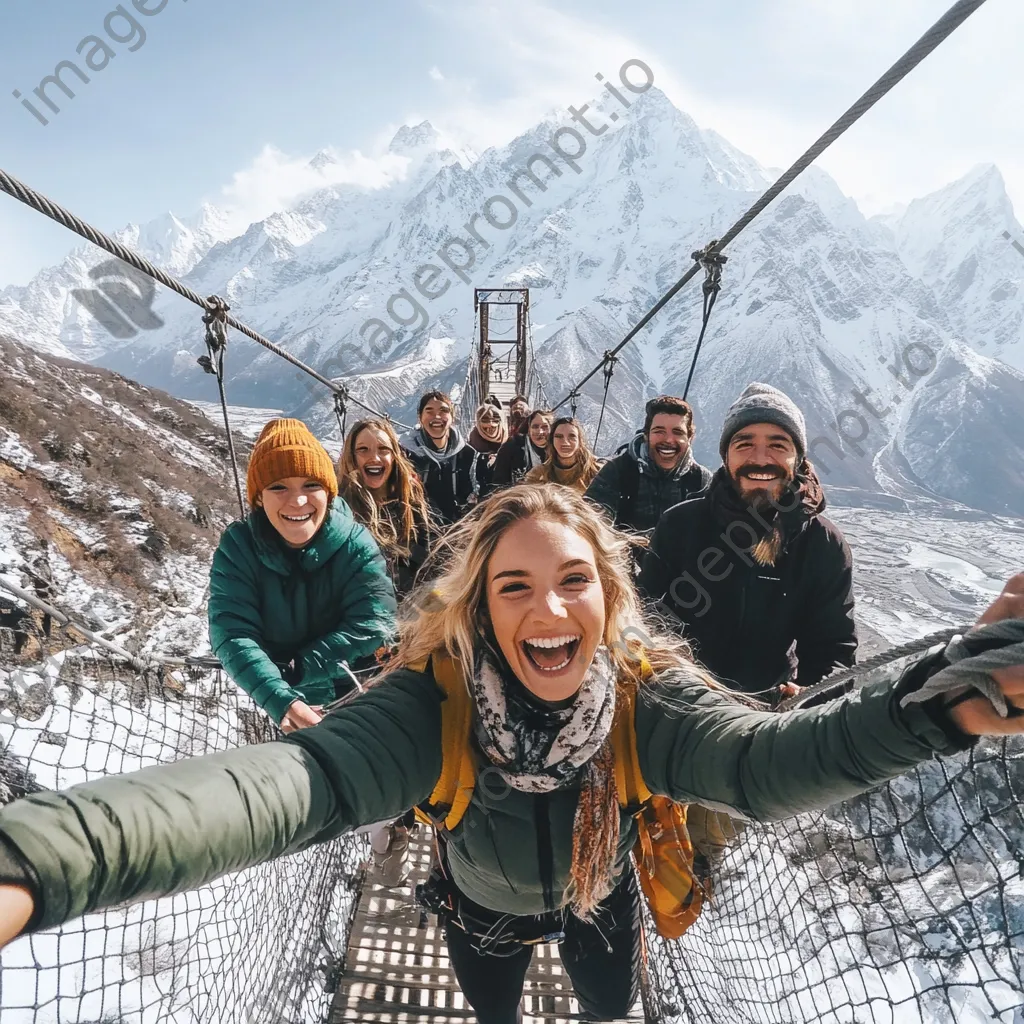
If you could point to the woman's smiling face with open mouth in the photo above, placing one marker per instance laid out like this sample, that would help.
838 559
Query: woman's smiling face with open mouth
546 606
296 507
374 457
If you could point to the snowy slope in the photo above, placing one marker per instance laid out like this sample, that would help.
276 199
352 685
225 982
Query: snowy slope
955 241
45 313
115 493
960 435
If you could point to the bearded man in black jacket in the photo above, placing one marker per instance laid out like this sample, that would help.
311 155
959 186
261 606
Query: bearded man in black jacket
761 582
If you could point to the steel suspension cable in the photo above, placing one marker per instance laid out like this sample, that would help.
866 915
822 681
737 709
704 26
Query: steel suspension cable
712 262
609 370
213 362
941 30
845 677
40 203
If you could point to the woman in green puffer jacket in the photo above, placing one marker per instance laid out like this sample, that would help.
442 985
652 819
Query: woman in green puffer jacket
298 587
534 608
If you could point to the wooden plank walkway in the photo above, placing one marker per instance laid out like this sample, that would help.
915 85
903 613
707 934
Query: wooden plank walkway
397 969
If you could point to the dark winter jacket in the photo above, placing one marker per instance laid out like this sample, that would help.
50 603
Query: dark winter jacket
403 568
269 605
175 827
635 492
454 480
744 618
515 458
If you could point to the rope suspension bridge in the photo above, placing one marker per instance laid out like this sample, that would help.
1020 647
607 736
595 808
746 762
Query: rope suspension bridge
904 904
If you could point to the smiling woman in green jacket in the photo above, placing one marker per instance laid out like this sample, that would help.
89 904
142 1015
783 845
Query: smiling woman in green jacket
533 610
299 586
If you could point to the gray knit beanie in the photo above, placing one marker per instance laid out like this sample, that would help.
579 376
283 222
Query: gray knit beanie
761 403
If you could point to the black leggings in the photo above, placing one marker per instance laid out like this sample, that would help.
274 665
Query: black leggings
601 959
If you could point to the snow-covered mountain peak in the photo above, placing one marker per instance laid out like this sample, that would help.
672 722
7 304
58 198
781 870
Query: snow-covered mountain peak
955 240
176 244
322 160
291 227
941 228
410 139
981 178
654 104
211 219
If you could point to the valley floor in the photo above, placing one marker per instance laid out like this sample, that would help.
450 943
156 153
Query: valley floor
916 573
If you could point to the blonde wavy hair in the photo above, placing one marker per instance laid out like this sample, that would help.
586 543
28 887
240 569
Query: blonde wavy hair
397 534
450 614
446 614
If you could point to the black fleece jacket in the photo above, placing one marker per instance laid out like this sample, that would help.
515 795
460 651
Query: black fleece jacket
754 626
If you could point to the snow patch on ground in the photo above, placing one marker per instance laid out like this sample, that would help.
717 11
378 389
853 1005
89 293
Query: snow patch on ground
88 535
13 452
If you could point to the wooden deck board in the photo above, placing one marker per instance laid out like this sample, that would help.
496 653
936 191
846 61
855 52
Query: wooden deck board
397 969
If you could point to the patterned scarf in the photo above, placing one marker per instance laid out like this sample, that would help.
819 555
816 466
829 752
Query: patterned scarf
536 749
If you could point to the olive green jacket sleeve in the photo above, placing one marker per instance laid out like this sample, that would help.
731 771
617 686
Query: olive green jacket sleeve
175 827
698 745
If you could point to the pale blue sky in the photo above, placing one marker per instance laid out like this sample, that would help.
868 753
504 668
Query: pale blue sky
186 117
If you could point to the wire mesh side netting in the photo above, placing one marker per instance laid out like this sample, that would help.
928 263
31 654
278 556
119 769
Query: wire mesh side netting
903 906
262 945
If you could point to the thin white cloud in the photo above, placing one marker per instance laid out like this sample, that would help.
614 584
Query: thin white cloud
274 180
435 74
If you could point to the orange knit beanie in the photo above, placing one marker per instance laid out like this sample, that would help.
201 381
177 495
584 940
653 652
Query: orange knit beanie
288 448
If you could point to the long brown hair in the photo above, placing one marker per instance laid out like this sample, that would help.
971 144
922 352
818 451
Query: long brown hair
395 534
585 461
450 614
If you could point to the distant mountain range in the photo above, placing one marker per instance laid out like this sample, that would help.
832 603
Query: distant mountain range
901 336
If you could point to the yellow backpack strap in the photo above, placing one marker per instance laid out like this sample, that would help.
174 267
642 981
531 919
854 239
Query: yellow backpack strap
629 782
454 788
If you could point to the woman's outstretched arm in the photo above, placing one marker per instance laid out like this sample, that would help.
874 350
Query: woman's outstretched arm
175 827
16 907
699 746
